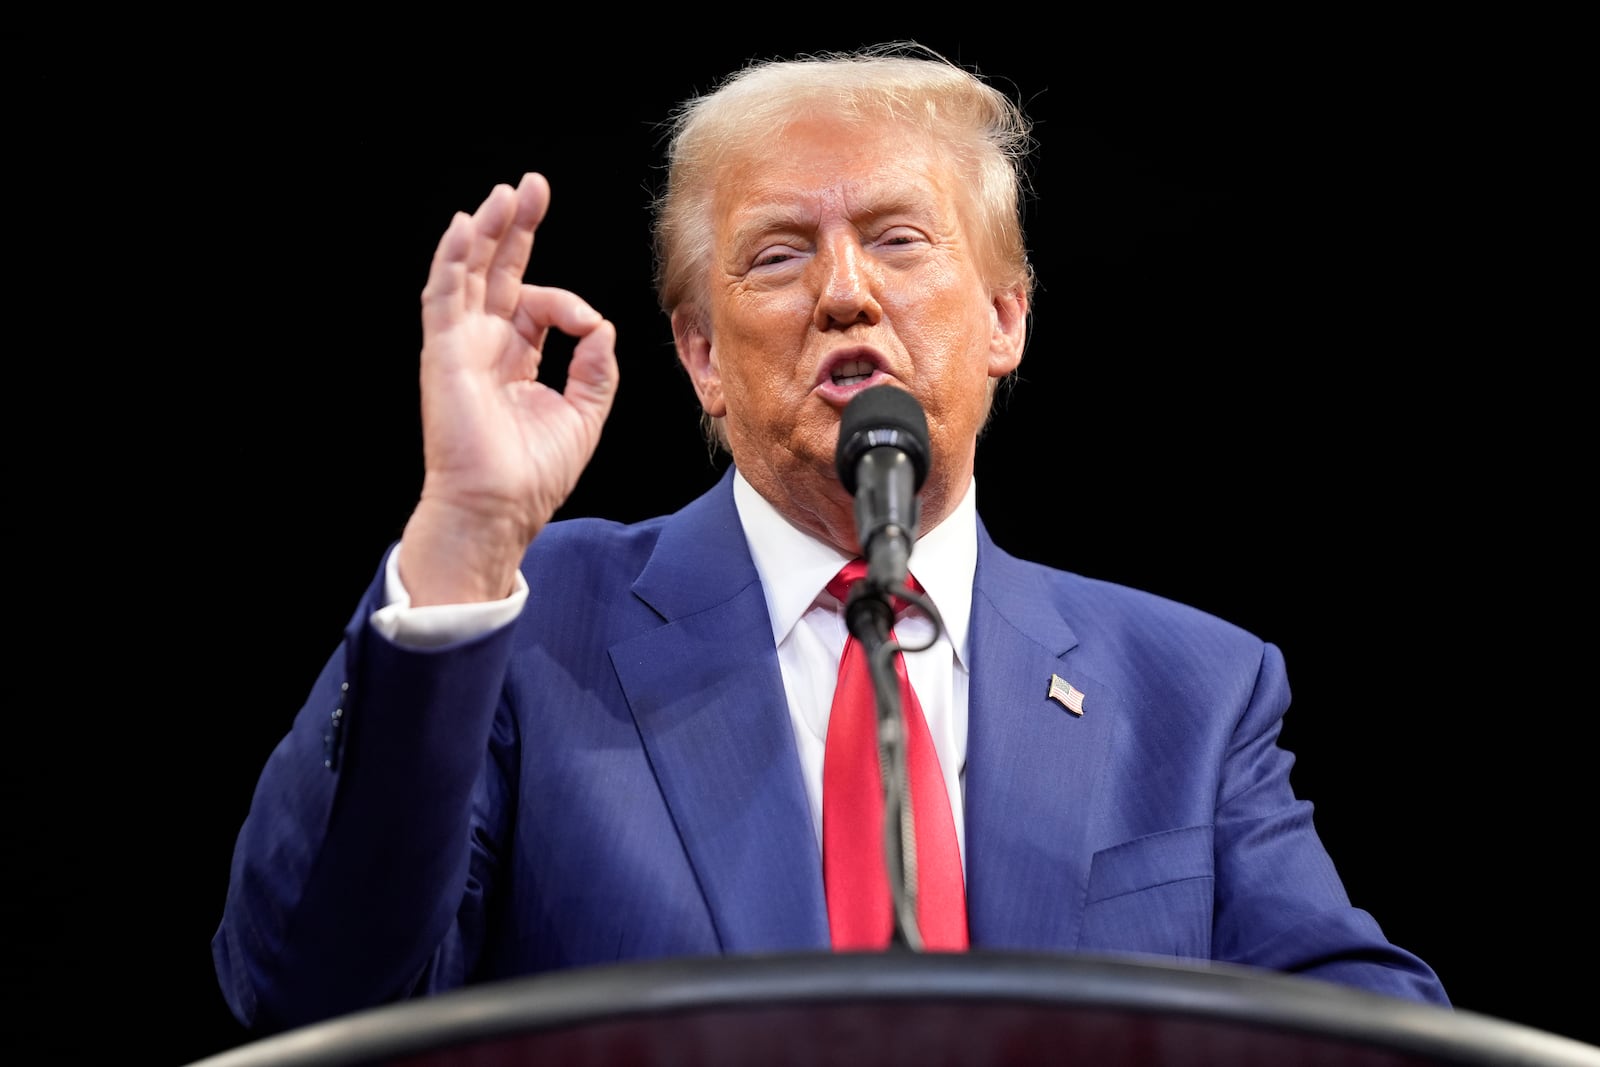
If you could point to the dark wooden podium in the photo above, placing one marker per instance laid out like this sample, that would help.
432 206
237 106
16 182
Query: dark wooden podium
912 1009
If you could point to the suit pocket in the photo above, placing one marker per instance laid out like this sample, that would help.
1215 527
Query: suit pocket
1152 895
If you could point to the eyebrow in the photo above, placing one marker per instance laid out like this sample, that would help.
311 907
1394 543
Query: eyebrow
786 218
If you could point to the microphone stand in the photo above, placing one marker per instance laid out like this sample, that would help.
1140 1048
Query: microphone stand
869 613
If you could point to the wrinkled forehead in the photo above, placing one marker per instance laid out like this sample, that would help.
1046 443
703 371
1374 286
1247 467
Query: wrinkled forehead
847 163
823 153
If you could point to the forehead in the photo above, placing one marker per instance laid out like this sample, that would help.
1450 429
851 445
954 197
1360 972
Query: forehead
813 166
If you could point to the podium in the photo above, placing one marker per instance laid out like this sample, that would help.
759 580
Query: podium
904 1008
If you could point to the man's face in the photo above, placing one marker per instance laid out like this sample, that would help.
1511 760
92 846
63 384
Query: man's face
844 258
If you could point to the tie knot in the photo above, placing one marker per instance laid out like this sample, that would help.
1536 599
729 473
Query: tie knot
855 571
851 573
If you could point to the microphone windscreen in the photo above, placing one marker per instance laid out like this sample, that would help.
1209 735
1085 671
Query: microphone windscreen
883 416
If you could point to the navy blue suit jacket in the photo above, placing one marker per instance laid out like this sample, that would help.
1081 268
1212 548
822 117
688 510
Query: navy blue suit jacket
614 777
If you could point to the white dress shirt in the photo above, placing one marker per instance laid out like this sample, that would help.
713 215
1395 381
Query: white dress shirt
808 628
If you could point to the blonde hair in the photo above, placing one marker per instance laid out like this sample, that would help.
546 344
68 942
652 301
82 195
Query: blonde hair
987 134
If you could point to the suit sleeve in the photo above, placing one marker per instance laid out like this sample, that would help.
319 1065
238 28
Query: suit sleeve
360 870
1280 903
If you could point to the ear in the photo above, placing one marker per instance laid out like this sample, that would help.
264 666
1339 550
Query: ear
1010 331
698 358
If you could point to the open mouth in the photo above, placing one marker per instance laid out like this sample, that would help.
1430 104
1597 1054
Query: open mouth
852 372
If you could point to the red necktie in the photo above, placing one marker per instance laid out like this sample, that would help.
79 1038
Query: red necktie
860 912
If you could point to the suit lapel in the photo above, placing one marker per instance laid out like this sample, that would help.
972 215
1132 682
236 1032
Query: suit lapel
1032 765
708 698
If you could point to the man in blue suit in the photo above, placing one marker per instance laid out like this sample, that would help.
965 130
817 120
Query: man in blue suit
550 744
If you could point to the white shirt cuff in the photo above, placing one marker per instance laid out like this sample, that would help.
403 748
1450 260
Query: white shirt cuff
439 624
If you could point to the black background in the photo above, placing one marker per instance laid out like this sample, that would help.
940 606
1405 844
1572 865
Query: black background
1272 372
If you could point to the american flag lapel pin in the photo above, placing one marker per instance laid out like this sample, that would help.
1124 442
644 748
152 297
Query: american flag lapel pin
1063 693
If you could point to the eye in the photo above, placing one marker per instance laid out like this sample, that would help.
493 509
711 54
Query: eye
773 256
900 237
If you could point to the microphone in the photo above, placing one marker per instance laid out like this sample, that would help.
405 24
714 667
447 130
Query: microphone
882 459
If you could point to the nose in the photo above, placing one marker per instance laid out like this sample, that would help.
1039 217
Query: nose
847 288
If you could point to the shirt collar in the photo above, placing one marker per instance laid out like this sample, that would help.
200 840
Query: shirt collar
795 567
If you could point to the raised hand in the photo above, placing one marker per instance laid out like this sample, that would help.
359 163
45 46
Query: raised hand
501 449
